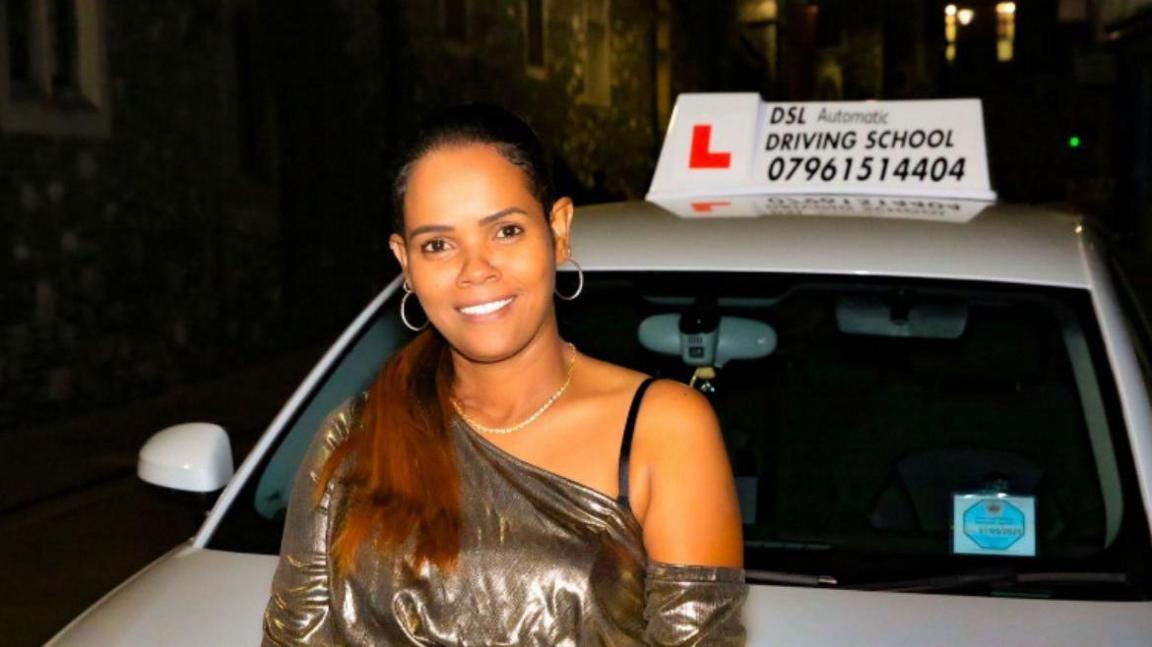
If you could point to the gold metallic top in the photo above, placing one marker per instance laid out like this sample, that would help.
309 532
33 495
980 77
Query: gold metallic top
544 560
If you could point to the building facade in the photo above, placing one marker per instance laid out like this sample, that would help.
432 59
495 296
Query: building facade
187 188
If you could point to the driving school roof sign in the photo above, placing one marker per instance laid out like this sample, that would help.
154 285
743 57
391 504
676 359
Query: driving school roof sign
735 144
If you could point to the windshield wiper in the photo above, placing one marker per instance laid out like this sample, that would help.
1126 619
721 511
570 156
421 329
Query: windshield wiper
994 576
795 579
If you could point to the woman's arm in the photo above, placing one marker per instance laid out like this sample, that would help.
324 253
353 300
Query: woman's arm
299 611
692 527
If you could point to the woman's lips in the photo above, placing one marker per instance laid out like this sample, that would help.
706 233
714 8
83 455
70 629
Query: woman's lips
487 309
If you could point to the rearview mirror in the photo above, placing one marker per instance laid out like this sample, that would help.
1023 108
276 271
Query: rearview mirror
192 457
719 341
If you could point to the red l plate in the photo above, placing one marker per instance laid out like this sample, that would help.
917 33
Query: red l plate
701 156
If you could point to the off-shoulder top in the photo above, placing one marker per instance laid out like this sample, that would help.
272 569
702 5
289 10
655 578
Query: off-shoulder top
544 560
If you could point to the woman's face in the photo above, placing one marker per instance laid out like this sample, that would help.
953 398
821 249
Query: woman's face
478 251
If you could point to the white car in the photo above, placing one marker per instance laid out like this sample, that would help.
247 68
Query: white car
936 412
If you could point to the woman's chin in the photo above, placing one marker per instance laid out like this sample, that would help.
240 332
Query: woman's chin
488 346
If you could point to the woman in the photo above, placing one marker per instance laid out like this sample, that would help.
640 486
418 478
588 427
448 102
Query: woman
495 486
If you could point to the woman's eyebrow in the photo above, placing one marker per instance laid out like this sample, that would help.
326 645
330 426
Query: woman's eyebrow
500 214
426 229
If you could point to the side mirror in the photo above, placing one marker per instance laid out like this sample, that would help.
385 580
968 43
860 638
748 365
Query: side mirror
192 457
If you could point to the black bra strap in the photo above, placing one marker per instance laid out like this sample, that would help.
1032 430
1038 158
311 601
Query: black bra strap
626 443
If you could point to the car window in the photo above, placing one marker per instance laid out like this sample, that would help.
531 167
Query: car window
881 401
255 520
351 375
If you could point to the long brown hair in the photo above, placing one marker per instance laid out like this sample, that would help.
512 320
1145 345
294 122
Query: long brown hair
401 474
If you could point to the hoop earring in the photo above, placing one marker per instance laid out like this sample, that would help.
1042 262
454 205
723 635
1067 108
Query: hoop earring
403 306
579 285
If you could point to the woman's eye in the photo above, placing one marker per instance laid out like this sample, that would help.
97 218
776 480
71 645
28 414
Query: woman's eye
433 246
508 231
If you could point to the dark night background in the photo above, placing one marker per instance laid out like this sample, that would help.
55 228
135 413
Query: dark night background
194 194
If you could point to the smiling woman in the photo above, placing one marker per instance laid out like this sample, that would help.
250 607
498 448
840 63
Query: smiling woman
494 485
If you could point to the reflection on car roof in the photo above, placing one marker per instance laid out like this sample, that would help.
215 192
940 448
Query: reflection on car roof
892 237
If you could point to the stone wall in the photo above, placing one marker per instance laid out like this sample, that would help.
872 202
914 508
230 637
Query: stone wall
239 207
131 264
618 139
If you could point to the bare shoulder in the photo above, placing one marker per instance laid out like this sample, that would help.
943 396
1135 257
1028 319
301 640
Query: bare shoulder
678 409
677 428
668 405
691 515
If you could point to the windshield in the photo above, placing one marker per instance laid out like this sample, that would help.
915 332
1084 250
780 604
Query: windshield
896 429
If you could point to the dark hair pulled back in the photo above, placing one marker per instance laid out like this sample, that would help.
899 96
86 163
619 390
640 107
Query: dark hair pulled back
401 469
477 123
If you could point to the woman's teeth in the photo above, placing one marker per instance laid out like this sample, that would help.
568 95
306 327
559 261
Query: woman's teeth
485 308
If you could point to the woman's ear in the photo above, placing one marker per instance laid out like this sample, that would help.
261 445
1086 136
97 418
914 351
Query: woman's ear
560 220
400 251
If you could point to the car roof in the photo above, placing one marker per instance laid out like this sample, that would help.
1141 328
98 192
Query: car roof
1001 242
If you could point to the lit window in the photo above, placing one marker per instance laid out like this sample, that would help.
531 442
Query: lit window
54 81
1005 30
954 18
950 33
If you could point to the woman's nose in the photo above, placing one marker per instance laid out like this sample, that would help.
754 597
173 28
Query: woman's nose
478 269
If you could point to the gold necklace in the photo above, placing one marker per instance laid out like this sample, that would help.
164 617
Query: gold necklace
530 419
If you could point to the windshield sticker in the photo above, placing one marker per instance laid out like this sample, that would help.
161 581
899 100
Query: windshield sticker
993 524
